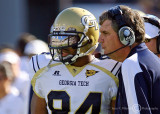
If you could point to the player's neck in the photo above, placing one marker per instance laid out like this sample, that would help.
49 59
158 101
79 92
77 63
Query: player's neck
83 60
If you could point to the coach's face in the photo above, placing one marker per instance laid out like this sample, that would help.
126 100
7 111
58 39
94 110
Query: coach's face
109 39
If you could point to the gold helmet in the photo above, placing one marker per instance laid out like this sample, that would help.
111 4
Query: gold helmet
77 28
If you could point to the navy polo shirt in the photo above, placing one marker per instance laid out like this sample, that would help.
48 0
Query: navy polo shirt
139 83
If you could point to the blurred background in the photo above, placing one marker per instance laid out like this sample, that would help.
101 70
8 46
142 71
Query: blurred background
37 16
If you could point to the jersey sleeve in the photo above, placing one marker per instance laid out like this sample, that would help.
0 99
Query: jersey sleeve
35 68
38 67
37 81
37 62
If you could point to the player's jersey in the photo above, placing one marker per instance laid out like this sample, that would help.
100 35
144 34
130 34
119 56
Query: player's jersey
66 88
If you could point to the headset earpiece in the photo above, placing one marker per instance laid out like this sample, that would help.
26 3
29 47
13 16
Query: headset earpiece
125 33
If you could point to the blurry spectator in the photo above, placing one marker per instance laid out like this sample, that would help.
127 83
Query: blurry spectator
21 43
150 6
10 101
33 48
152 30
20 79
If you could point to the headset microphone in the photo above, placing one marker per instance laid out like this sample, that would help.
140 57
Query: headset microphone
104 56
101 56
117 49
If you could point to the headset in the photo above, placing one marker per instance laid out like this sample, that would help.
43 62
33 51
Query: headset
125 33
154 21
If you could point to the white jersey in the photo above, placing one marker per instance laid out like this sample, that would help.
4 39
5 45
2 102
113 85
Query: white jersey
12 103
66 88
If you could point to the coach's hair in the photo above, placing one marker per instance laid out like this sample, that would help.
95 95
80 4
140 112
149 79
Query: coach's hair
131 18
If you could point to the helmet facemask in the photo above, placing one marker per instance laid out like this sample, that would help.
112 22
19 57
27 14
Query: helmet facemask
59 41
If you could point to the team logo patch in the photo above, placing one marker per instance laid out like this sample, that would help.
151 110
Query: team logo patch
90 73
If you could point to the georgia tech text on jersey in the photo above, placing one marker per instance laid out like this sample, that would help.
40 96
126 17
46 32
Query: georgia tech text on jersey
73 83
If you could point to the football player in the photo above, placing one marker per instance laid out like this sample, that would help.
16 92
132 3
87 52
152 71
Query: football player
70 79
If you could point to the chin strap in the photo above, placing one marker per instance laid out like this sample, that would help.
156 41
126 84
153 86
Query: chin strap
83 54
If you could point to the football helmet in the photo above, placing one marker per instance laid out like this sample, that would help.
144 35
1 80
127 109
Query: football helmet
73 27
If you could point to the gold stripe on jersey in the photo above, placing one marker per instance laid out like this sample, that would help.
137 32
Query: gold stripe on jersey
75 70
107 72
38 74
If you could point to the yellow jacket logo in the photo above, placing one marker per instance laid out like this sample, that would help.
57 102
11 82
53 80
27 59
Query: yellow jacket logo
90 73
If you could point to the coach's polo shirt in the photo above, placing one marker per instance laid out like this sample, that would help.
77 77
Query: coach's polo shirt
139 83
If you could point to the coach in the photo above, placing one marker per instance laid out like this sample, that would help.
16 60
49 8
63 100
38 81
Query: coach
122 36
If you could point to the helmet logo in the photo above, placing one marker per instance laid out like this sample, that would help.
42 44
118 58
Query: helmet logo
90 21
